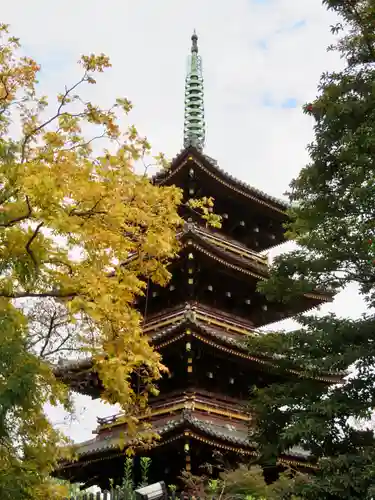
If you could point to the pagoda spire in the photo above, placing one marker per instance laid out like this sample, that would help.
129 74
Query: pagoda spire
194 125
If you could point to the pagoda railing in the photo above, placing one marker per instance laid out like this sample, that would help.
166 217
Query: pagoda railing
197 398
231 246
177 401
201 392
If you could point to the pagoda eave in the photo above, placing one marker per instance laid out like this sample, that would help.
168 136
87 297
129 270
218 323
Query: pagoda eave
223 334
183 428
209 166
222 248
249 265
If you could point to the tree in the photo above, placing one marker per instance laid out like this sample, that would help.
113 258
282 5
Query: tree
245 482
81 235
248 482
332 221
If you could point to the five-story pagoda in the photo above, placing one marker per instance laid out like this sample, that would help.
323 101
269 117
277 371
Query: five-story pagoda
200 323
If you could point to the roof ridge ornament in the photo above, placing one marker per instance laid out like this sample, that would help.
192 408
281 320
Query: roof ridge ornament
194 124
188 227
190 315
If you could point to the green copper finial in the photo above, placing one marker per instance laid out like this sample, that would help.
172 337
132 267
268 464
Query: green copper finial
194 126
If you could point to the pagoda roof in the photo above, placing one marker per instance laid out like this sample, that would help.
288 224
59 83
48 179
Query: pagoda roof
231 343
195 312
213 399
162 326
224 251
237 341
185 419
221 248
221 433
204 324
210 167
235 256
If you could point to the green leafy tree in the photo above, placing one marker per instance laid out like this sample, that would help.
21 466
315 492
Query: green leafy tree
332 221
248 483
245 482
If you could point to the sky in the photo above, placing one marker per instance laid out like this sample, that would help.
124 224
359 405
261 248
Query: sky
262 60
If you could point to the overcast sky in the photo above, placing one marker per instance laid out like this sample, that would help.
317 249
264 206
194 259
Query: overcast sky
262 60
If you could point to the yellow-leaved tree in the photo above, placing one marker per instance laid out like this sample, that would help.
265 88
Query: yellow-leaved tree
70 219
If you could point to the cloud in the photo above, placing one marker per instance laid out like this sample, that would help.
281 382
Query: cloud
148 43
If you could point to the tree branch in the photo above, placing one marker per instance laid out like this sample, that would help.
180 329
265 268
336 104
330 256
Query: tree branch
21 218
48 336
60 347
50 120
90 212
85 144
29 243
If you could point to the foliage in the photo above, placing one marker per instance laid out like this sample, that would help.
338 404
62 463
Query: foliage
80 236
205 207
28 443
126 490
332 219
73 490
247 482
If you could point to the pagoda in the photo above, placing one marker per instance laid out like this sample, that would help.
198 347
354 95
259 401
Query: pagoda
200 324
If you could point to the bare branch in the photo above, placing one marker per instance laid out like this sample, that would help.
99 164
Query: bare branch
49 333
84 144
60 347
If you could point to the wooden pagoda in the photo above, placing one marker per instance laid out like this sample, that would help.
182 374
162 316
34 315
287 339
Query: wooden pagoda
200 323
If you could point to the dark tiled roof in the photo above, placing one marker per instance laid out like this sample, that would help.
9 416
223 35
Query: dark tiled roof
202 309
65 365
244 261
257 193
165 332
236 435
189 317
223 336
222 431
215 332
